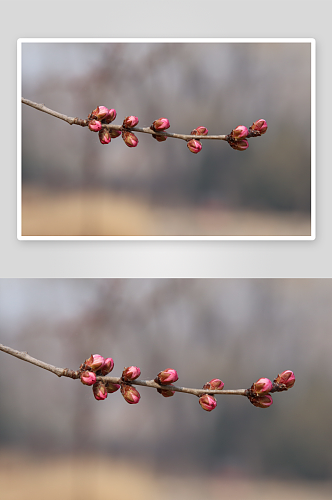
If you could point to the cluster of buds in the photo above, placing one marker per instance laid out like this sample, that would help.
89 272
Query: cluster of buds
237 139
259 393
194 145
99 116
207 401
94 369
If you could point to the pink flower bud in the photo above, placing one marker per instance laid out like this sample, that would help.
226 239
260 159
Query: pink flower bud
199 131
207 402
159 138
160 124
100 112
107 366
88 378
99 391
287 378
110 387
104 136
130 394
194 146
239 132
94 125
262 386
130 121
115 133
131 373
240 145
167 376
263 401
130 139
260 126
214 384
167 393
94 362
110 117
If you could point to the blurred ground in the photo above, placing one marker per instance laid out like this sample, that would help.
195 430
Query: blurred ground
75 477
97 212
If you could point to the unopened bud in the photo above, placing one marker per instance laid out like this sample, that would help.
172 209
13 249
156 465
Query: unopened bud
199 131
260 126
167 376
160 124
99 391
131 373
286 378
94 125
262 386
159 138
130 121
240 145
104 136
88 378
239 132
94 362
110 387
107 366
215 384
207 402
111 115
194 146
115 133
130 394
263 401
130 139
100 112
167 393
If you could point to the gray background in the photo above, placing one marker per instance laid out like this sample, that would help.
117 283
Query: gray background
185 19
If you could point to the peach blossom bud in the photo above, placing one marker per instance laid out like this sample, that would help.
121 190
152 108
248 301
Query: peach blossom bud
130 121
240 145
99 391
214 384
260 126
94 125
110 117
159 138
115 133
167 393
131 373
263 401
107 366
167 376
194 146
88 378
104 136
287 378
160 124
100 112
262 386
239 132
130 139
130 394
94 362
207 402
110 387
199 131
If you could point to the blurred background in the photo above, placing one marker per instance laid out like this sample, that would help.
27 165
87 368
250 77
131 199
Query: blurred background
74 186
56 441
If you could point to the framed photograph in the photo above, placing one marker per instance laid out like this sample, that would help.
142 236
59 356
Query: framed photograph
169 139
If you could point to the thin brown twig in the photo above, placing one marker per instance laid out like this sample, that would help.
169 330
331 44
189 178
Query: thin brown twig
65 372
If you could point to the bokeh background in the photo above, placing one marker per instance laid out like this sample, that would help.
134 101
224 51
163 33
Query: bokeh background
74 186
56 441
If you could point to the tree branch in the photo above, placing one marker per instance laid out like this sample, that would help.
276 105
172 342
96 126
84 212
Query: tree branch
144 130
